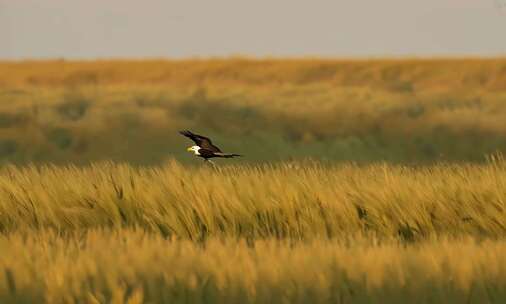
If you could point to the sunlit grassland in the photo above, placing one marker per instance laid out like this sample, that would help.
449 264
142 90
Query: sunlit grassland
392 110
291 200
135 267
293 232
362 181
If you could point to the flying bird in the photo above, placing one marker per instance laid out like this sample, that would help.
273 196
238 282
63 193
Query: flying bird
204 147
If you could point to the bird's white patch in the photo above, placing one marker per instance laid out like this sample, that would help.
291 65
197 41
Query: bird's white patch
194 149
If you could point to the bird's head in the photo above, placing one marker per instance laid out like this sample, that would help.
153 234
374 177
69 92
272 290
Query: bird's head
194 149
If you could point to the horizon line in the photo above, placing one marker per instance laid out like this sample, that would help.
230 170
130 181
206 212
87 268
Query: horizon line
262 58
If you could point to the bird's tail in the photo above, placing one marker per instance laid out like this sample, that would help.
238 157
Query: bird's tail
228 155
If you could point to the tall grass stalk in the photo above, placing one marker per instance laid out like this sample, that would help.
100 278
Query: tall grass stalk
293 200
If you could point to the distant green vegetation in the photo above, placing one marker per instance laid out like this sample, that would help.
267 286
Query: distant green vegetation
397 110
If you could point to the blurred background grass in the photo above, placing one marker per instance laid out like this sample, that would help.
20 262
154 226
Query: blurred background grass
407 111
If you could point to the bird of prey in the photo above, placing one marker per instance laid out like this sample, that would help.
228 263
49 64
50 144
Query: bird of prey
204 147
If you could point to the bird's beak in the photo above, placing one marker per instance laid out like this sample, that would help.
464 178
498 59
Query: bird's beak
189 149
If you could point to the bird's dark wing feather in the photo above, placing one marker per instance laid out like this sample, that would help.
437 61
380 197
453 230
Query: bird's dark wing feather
201 141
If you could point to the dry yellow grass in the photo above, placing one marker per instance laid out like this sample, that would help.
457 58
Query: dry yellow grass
292 200
128 266
294 232
405 74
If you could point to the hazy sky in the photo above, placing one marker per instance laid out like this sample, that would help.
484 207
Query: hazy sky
205 28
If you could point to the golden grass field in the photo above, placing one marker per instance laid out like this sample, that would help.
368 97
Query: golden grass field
297 200
374 181
126 266
292 232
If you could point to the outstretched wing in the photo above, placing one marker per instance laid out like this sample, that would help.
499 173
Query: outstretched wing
201 141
